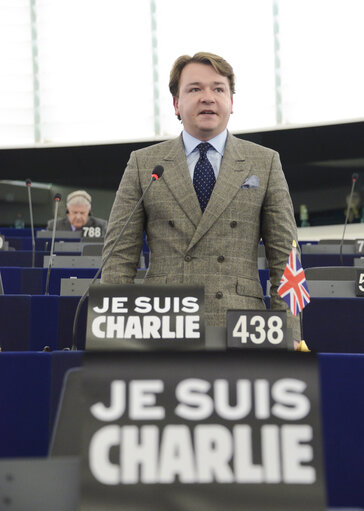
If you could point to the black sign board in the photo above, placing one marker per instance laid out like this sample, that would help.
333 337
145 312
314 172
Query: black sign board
148 317
256 329
359 282
205 431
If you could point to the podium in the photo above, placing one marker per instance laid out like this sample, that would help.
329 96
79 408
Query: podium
33 484
331 281
62 261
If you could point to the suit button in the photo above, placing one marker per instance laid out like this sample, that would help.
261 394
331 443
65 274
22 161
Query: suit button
219 295
188 258
233 224
171 223
220 259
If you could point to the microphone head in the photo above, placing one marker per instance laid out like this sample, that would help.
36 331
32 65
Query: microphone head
58 197
355 176
28 182
157 172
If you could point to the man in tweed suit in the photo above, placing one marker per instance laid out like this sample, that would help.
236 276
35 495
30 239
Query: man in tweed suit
216 247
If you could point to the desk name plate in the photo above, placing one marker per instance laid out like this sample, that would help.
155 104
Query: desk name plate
359 282
253 329
359 246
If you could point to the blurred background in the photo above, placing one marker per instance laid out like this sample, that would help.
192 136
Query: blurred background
85 82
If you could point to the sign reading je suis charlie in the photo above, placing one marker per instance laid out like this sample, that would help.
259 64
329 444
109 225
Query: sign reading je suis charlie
145 317
201 430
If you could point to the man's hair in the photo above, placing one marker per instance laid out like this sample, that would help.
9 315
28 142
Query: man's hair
79 198
220 65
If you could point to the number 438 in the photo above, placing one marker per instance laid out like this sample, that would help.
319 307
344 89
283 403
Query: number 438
258 329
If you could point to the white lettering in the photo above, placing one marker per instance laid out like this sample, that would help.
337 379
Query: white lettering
143 398
117 403
105 306
192 327
133 328
271 453
161 309
151 326
96 327
214 449
190 304
176 455
294 453
262 399
291 403
142 304
135 453
115 327
194 403
245 470
117 304
166 328
243 399
99 455
216 454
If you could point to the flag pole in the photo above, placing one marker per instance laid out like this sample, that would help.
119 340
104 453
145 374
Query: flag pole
302 346
294 291
294 245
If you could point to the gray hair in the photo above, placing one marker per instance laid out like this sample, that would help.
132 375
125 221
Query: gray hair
79 198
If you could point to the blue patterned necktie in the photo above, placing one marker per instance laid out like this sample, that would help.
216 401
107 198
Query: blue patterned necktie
203 176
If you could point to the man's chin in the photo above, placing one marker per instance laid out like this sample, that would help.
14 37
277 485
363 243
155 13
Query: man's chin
207 129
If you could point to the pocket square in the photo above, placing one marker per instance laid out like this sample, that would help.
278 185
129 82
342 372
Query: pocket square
251 182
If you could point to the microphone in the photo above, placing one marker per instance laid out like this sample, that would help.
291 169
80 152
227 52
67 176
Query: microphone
156 174
57 199
354 179
29 185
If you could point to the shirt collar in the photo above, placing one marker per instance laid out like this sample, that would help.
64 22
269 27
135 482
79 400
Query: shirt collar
218 142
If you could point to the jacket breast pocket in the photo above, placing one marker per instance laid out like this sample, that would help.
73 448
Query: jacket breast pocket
155 279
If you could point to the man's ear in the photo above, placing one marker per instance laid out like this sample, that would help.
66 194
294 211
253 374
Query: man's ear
175 104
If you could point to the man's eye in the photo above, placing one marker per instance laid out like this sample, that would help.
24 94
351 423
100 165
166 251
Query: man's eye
219 89
194 89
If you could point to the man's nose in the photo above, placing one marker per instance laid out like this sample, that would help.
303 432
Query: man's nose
208 96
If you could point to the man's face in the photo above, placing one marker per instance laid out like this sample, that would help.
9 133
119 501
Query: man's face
78 215
204 102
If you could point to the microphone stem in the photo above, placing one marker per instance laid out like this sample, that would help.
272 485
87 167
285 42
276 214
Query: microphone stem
346 220
31 225
83 297
52 248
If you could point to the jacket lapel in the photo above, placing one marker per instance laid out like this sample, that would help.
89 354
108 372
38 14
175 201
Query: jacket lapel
233 171
179 182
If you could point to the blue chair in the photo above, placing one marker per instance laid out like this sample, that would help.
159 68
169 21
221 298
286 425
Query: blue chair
24 404
28 323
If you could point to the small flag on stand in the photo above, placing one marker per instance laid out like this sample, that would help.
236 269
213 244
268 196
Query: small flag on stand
293 286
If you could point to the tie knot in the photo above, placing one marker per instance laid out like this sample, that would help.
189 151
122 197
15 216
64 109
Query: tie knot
203 148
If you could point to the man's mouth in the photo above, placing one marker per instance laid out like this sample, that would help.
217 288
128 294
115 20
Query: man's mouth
207 112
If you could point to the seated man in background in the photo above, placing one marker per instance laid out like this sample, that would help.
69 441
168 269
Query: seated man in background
78 216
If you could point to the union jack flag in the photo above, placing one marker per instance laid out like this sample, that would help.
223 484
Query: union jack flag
293 286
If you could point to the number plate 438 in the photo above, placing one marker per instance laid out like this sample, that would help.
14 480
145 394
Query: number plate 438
252 329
